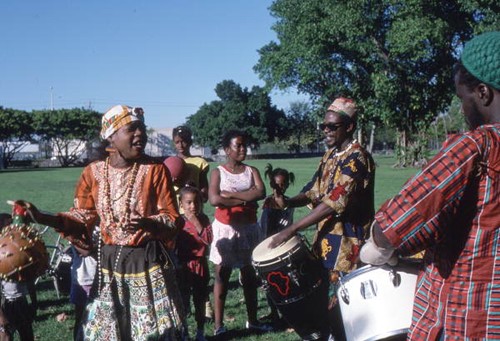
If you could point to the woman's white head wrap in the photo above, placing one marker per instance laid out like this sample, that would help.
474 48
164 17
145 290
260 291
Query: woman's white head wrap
117 117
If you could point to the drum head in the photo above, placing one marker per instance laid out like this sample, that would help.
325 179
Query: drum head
264 253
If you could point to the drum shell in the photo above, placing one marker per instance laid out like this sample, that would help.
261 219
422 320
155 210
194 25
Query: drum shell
297 283
376 302
23 255
292 277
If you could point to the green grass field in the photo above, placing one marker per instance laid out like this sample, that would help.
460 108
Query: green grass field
52 190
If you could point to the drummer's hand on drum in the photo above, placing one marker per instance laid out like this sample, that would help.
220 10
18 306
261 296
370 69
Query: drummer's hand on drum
281 237
371 253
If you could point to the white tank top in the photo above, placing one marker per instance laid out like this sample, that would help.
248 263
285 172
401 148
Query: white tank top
236 182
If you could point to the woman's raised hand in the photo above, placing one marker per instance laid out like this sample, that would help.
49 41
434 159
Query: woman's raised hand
25 209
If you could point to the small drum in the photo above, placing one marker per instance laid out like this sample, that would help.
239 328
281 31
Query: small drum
23 255
376 302
297 283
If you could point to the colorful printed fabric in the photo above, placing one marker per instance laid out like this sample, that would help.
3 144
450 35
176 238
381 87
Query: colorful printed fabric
138 301
117 117
451 210
145 298
345 182
152 197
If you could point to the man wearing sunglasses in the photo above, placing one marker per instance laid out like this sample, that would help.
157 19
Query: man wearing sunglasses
341 193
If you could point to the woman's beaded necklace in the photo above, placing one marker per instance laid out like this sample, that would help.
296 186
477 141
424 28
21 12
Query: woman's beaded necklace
109 215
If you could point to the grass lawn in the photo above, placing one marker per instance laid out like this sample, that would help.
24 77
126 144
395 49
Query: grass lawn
52 190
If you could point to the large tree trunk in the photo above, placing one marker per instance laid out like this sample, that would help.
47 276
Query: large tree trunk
360 135
401 149
372 138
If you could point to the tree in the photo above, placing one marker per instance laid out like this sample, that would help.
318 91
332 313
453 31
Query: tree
69 131
394 58
301 126
237 108
15 132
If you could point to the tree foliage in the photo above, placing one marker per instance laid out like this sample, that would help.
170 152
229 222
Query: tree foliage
301 127
68 131
15 132
393 57
237 108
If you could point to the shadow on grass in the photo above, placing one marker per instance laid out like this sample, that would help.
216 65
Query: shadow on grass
235 334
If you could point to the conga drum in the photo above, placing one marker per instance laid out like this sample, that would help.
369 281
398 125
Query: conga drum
376 302
23 255
297 283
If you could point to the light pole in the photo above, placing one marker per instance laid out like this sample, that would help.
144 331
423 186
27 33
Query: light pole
51 99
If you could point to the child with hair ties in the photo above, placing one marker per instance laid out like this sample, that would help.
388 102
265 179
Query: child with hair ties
273 220
192 250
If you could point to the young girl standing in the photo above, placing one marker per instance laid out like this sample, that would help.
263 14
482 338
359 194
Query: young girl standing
195 173
274 220
196 169
234 190
192 249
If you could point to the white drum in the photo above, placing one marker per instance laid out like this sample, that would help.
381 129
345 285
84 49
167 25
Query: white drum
376 302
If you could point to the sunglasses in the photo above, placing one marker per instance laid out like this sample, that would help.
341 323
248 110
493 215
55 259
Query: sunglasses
331 126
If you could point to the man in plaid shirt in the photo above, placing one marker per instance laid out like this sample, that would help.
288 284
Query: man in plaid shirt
451 210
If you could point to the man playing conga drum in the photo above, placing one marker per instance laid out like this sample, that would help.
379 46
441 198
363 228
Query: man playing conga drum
341 192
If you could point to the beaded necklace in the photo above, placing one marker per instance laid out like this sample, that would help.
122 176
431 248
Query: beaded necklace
109 216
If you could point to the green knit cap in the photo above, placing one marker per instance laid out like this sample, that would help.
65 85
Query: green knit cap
481 57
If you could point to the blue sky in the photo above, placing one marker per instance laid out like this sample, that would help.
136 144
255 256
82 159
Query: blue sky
166 56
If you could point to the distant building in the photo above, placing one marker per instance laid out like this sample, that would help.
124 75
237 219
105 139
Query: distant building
160 144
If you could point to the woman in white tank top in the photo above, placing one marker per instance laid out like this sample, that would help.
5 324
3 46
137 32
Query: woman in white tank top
234 190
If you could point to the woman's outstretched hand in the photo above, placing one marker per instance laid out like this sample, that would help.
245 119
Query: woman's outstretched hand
25 209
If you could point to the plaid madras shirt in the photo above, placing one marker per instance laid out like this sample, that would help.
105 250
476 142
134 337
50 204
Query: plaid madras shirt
451 210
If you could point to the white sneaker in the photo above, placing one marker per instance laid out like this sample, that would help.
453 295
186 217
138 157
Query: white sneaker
262 327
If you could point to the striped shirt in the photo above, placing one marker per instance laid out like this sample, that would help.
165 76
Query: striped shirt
451 210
